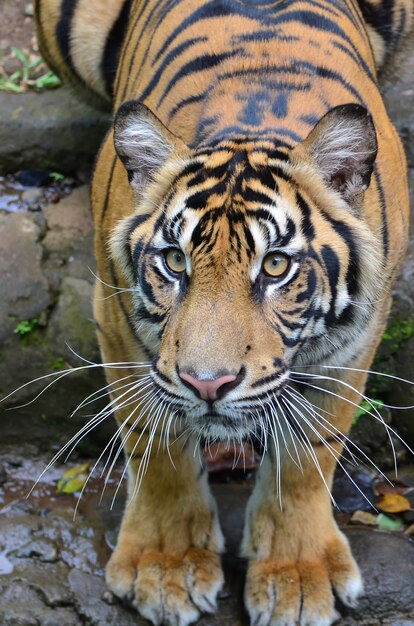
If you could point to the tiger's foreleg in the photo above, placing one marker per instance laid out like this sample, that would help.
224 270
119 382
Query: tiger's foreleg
166 561
298 556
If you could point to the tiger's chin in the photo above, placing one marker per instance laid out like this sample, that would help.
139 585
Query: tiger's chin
216 427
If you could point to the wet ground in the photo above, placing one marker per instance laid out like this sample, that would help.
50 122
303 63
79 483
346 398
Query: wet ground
52 564
32 190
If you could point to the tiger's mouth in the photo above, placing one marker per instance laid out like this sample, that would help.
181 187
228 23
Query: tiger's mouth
245 409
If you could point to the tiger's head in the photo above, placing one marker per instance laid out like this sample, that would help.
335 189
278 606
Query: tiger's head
245 258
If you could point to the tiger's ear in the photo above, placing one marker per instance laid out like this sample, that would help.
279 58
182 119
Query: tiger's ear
343 144
144 144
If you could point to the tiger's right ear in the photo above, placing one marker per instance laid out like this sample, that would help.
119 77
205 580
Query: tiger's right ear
144 144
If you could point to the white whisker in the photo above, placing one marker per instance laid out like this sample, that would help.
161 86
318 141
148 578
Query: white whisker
290 406
337 433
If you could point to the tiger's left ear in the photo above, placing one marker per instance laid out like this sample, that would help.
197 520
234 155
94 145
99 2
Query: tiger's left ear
144 144
343 145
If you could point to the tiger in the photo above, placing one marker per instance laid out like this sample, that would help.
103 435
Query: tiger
251 214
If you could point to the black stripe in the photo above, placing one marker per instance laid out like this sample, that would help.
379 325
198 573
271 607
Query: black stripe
108 188
297 68
357 58
63 30
114 40
306 225
307 293
345 232
172 56
267 379
134 33
232 133
379 17
185 102
385 240
289 324
251 195
142 314
279 155
330 259
267 16
197 65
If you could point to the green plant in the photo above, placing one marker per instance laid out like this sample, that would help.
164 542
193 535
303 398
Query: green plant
58 363
25 327
33 74
56 176
365 407
397 333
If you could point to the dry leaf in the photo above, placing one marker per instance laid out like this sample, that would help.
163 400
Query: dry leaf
409 531
382 487
365 518
393 503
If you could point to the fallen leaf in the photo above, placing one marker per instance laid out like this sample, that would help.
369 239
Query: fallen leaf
74 479
393 503
389 523
365 518
383 487
409 531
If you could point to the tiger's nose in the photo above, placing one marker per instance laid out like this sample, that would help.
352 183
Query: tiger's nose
212 389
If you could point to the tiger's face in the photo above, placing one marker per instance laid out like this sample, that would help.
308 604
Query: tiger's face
245 259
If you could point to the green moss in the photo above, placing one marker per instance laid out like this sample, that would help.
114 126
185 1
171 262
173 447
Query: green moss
365 408
398 332
57 363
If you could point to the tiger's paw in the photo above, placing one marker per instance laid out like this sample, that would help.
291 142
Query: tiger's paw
302 593
167 589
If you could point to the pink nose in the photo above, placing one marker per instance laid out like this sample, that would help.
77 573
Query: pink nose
208 389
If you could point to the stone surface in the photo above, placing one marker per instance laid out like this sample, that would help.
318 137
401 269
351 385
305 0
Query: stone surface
24 291
46 280
399 97
72 320
49 130
68 243
396 357
387 566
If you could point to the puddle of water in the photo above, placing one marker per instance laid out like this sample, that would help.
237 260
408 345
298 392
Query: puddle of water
45 190
6 567
10 195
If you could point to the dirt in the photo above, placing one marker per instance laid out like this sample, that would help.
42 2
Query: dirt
17 26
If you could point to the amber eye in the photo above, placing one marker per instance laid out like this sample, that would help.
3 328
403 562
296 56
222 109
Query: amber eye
276 264
175 260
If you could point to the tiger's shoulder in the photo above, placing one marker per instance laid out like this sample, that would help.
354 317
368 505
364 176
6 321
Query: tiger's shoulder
82 40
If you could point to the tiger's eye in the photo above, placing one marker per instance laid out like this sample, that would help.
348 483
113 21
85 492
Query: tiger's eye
276 264
175 260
